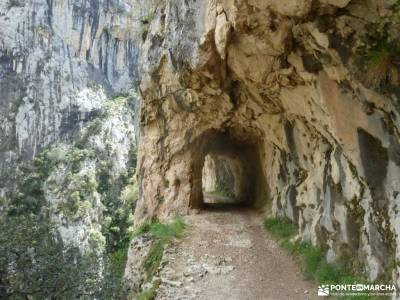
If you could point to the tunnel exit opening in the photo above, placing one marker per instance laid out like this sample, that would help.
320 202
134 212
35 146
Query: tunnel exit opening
221 179
227 171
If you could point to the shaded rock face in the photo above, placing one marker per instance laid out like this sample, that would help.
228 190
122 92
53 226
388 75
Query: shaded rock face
289 79
59 61
222 174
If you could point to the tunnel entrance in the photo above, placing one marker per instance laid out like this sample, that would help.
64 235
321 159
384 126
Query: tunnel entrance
227 171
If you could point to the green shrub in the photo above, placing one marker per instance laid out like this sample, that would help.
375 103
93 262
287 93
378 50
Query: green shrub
92 128
131 193
118 260
15 3
57 154
381 67
97 240
113 105
42 266
118 221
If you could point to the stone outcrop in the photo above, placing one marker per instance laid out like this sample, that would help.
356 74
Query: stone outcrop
290 82
135 273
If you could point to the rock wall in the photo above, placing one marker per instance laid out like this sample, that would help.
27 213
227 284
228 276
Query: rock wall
311 89
68 75
87 191
71 213
59 61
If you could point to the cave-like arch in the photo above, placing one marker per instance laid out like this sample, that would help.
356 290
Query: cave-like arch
242 150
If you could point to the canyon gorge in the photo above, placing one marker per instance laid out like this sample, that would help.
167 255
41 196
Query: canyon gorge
115 114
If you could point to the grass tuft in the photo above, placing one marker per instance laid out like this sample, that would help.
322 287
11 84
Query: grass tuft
280 227
312 259
167 231
162 231
153 259
381 66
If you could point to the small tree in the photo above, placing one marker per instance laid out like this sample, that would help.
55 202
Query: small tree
34 264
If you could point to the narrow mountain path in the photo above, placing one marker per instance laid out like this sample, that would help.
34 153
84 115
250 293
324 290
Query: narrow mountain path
227 255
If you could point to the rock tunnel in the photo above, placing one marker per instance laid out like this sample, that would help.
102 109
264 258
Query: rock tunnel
289 107
229 167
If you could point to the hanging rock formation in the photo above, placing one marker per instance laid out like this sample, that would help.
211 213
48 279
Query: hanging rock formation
309 88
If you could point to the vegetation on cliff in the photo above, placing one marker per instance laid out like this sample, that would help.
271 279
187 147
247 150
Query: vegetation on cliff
67 226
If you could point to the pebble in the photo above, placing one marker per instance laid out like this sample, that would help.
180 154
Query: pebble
170 282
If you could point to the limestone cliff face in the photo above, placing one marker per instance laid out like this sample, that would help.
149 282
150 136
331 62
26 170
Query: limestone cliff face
305 92
59 61
68 71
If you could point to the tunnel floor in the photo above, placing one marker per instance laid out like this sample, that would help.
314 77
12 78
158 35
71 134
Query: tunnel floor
220 203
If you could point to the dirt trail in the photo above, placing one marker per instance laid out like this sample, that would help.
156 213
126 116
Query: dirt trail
227 255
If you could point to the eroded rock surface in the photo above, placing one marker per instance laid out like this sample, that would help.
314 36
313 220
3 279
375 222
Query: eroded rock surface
292 80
